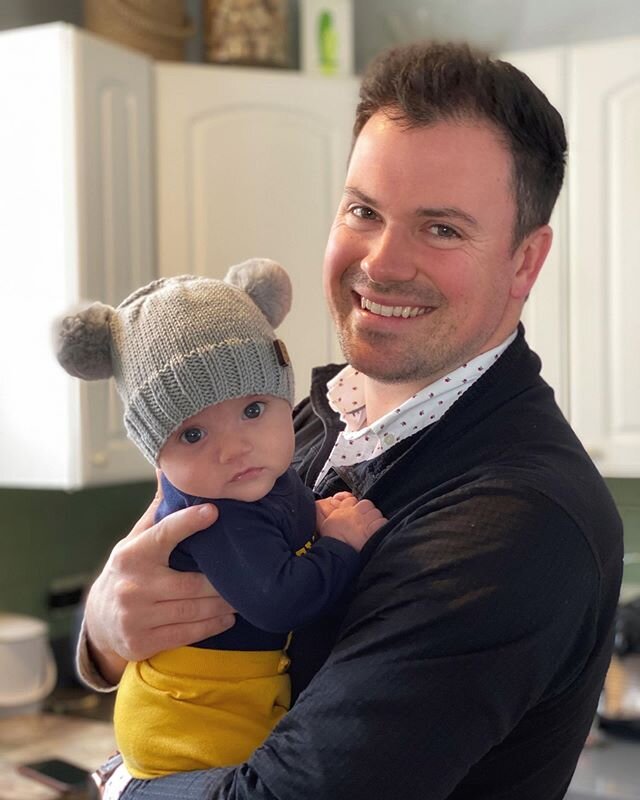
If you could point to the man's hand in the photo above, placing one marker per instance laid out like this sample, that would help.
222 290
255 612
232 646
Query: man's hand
138 606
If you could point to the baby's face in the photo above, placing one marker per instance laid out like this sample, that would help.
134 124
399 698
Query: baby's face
236 449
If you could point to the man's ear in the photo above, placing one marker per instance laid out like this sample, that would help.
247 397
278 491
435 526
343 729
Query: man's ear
529 257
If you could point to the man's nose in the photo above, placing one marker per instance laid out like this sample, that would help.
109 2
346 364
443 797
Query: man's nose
389 258
233 447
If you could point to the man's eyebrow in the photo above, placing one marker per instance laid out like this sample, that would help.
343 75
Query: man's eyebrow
448 213
445 212
356 194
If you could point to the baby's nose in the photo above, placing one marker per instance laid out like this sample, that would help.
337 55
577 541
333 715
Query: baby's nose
232 448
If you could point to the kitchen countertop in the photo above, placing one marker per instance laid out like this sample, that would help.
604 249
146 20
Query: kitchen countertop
610 770
80 731
83 735
36 737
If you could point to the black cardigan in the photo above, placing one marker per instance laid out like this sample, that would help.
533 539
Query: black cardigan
468 660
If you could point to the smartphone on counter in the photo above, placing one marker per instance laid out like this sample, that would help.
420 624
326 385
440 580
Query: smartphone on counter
57 774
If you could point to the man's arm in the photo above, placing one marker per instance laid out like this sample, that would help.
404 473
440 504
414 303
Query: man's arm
138 606
464 619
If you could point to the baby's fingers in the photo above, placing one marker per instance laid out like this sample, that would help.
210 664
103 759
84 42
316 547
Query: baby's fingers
374 524
367 507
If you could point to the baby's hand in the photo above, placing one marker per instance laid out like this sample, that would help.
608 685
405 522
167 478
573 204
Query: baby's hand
327 505
348 519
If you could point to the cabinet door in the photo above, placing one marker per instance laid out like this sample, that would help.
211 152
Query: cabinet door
546 312
605 243
115 225
75 200
252 163
38 404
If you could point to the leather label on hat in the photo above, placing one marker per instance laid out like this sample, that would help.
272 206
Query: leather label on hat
281 353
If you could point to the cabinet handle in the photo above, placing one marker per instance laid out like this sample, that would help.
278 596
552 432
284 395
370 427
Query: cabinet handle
99 459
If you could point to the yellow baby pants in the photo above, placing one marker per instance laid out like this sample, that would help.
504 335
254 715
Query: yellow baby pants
193 708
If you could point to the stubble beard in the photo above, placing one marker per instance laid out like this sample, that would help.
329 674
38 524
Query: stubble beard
385 358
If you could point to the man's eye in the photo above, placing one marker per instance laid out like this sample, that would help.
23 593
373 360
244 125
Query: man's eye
254 410
192 435
363 212
444 231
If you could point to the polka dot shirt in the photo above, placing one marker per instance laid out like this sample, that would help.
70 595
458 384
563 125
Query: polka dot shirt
361 442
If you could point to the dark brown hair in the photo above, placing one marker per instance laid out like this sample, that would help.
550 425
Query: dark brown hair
424 83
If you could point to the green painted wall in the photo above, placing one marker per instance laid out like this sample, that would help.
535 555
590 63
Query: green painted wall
627 497
50 536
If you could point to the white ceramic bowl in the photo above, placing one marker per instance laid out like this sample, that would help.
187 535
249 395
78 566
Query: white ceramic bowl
27 667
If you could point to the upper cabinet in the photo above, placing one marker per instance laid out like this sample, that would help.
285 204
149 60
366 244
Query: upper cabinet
252 163
582 317
545 313
76 209
604 186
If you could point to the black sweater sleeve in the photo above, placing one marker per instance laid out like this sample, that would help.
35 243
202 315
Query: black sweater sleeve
466 619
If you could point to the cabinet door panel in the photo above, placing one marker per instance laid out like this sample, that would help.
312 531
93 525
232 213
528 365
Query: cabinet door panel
546 312
605 242
115 224
76 203
252 163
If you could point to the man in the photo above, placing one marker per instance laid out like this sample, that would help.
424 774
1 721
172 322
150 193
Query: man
468 661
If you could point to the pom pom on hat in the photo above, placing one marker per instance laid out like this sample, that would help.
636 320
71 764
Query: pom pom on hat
83 343
267 284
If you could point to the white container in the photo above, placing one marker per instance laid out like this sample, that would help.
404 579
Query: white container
27 667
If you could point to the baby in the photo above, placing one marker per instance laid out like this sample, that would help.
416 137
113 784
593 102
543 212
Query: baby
208 390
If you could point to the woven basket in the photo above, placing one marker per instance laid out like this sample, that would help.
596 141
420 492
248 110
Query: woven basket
253 32
158 28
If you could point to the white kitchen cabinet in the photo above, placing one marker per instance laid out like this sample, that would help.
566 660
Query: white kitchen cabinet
546 312
604 187
582 317
76 217
251 163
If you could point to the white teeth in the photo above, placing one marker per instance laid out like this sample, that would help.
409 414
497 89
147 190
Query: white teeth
392 311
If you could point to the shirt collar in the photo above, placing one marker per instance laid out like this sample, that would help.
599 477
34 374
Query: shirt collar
361 442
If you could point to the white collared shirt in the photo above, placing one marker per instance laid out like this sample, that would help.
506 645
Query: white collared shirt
361 442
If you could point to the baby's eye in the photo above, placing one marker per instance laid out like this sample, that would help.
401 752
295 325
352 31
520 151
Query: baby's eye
192 435
254 410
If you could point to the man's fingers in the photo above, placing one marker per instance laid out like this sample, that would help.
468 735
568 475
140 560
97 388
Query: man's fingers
170 584
147 519
178 526
167 637
192 610
156 542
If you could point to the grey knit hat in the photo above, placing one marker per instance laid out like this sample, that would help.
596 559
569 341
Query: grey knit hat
181 344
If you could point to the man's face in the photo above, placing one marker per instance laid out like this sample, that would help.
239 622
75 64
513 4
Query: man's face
419 270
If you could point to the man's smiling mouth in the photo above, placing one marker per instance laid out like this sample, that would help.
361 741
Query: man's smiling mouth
392 311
